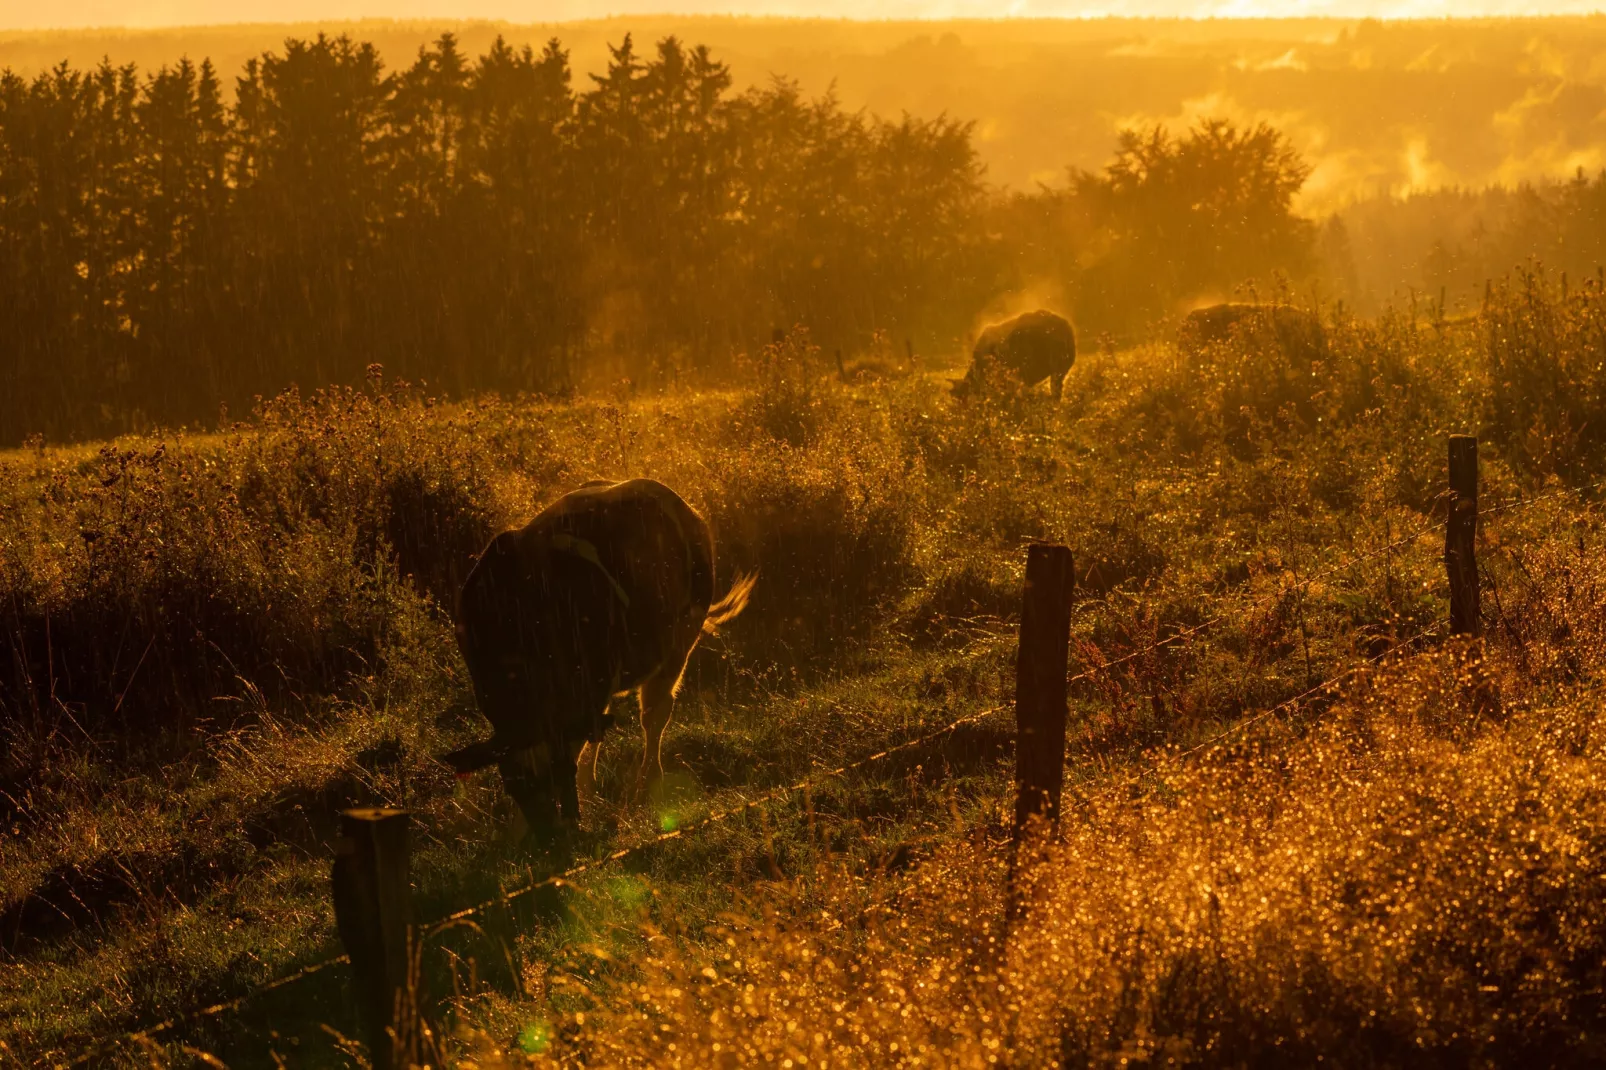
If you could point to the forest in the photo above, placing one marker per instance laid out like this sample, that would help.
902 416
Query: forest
481 223
473 223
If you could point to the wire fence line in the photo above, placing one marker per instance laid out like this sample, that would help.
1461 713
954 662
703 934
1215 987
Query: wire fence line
1263 601
438 925
1523 503
718 817
1135 777
151 1032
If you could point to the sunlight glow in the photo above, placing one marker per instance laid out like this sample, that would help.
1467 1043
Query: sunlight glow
17 15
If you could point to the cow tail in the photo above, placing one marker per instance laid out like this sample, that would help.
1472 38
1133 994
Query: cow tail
730 607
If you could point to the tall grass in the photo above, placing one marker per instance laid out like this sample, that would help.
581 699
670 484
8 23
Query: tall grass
215 641
1409 879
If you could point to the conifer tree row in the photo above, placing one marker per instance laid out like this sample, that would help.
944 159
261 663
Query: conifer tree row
479 223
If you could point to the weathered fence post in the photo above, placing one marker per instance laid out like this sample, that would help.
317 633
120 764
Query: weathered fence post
1040 697
373 911
1460 536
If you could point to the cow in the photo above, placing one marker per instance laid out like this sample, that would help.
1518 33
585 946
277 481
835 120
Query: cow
1035 346
1298 332
605 592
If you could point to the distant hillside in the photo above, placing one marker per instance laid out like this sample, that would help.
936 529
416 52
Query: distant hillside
1374 106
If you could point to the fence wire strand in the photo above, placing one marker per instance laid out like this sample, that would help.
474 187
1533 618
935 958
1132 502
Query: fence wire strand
1523 503
1136 777
1263 601
432 928
151 1032
716 817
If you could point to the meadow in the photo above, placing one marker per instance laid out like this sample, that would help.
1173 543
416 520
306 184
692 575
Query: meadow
215 641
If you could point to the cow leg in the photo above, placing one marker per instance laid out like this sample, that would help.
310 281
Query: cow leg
528 779
586 772
1057 385
568 790
657 696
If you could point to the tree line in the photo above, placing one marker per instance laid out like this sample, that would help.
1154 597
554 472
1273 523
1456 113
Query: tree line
482 223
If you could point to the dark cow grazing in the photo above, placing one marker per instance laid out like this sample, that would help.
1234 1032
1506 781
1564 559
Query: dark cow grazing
1035 346
1297 331
606 591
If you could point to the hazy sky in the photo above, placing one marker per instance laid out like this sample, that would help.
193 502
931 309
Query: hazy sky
42 14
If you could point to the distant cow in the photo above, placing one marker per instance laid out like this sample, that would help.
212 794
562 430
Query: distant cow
1035 346
1297 331
606 591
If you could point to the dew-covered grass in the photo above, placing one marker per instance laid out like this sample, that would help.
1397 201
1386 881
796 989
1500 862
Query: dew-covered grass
216 641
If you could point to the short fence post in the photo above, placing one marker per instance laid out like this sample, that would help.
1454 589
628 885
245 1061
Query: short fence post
1460 536
1040 696
373 911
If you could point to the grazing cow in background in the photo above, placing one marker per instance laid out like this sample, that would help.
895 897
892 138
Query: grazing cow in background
1035 346
606 591
1298 332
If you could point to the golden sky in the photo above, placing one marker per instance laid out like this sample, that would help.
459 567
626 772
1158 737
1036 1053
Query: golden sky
45 14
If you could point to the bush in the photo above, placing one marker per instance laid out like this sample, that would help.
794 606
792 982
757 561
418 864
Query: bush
831 532
1546 357
790 401
152 578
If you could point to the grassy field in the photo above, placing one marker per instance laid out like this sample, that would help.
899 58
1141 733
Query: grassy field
214 642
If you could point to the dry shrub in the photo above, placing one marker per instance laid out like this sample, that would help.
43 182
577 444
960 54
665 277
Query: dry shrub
791 400
1546 365
993 458
1258 388
830 530
972 590
155 576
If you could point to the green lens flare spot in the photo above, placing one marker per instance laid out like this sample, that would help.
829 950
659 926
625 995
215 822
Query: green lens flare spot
534 1038
628 892
669 823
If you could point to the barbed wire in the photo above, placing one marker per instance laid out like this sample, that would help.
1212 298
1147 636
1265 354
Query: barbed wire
432 928
716 817
1245 723
1264 600
151 1032
1523 503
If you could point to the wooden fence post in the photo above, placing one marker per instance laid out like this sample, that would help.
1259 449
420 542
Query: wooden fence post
373 911
1460 536
1040 702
